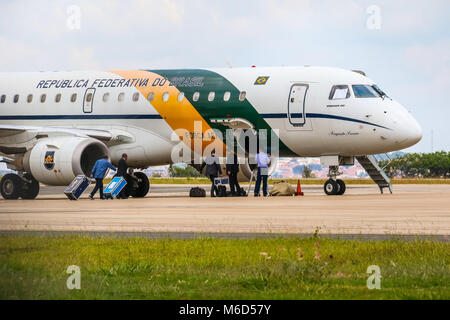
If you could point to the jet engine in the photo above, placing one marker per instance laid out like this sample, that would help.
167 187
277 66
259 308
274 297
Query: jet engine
57 161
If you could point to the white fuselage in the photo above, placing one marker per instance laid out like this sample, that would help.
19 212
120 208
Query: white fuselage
309 123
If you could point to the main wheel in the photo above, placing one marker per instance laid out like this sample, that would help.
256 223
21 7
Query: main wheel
11 186
331 187
30 190
143 185
341 187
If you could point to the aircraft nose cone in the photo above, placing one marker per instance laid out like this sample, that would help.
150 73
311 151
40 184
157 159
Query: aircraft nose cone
410 134
415 134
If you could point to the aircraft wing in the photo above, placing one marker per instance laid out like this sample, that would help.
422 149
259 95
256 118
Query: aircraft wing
39 132
8 133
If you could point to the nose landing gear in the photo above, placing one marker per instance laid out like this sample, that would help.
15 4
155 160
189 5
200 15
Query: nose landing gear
334 186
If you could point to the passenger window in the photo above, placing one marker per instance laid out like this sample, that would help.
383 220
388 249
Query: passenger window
242 96
364 91
121 96
73 98
106 97
89 97
165 96
43 97
150 96
180 96
30 98
16 98
196 96
136 96
58 97
3 98
339 92
226 96
211 96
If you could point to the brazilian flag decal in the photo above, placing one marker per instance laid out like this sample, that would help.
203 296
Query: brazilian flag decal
261 80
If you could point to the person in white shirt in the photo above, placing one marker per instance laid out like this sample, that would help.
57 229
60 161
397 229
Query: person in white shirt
263 161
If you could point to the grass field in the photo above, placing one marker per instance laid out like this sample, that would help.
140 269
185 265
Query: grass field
34 267
303 181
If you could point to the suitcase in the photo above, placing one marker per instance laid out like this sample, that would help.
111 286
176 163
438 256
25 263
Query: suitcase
221 191
77 187
221 181
113 189
197 192
242 192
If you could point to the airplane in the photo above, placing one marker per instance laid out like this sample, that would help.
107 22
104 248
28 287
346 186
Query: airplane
55 125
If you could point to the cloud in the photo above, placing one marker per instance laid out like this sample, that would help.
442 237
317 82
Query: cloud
410 53
84 58
432 61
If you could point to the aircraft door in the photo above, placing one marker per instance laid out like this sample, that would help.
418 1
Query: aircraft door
296 104
88 100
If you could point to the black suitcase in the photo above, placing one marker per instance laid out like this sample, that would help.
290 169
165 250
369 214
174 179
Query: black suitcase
221 191
242 192
77 187
197 192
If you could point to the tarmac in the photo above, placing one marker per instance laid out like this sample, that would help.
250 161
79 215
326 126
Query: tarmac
412 210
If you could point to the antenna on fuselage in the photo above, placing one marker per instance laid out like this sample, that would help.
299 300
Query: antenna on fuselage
360 72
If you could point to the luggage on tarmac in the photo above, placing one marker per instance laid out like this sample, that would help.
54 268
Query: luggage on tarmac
221 191
221 181
113 189
197 192
242 192
77 187
282 188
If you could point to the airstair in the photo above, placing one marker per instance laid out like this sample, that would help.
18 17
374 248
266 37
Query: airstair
371 164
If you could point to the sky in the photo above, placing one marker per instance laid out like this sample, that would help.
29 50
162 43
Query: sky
403 45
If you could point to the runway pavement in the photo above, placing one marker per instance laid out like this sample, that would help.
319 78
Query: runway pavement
411 210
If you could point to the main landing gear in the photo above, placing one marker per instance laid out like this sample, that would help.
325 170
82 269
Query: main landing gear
137 185
334 186
14 186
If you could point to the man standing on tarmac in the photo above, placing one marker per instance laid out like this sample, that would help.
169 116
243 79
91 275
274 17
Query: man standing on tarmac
122 171
263 161
98 173
213 170
232 171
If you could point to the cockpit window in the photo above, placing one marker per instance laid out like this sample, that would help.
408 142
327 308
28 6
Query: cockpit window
339 92
364 91
380 92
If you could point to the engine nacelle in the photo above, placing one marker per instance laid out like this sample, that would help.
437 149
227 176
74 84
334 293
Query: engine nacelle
57 161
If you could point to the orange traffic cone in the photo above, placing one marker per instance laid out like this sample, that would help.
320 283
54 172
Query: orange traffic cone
299 189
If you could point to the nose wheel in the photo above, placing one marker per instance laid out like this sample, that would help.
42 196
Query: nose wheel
333 186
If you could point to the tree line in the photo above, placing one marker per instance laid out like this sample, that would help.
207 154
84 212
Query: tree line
419 165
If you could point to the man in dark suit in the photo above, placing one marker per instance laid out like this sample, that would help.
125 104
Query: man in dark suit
122 171
232 171
213 170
